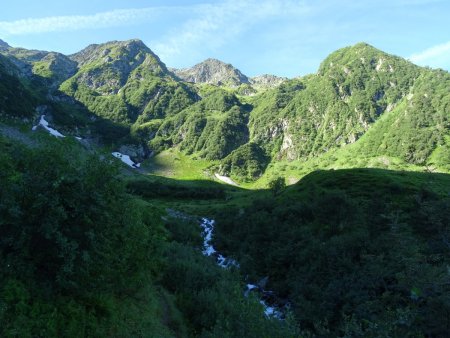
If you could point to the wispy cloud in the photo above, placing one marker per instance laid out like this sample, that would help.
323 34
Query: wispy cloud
212 26
436 56
113 18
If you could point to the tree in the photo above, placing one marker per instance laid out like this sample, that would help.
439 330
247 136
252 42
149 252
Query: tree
277 185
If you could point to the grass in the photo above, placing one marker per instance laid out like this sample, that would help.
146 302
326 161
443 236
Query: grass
174 164
362 184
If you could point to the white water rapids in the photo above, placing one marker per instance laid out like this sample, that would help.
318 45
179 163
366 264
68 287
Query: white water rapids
224 262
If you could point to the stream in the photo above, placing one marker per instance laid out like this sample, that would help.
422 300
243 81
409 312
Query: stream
266 298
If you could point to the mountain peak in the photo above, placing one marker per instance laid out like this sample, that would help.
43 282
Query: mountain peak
3 44
213 71
361 55
113 50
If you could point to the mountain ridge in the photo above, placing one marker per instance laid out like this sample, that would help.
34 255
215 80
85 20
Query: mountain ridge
297 119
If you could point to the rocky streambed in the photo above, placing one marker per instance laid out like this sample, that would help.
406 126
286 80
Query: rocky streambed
273 306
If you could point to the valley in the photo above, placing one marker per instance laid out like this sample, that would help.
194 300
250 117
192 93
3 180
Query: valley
142 200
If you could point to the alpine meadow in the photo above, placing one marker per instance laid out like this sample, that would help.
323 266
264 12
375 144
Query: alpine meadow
140 200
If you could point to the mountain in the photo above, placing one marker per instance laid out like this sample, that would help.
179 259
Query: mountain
124 82
216 72
355 99
3 44
356 245
319 114
213 71
352 89
52 67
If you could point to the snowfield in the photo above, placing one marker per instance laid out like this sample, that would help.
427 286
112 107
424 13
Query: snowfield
126 159
225 179
44 123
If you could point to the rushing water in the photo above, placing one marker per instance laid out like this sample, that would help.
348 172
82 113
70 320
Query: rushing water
209 250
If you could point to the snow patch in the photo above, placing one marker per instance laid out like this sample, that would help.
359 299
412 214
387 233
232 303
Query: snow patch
44 123
126 159
225 179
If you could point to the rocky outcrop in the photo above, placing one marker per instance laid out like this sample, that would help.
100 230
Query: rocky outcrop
136 152
55 67
266 81
213 71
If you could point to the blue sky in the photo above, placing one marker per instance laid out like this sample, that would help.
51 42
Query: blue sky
281 37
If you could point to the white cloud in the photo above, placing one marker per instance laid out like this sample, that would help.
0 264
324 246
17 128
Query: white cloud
212 26
113 18
436 56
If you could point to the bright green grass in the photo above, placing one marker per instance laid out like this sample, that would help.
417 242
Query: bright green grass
174 164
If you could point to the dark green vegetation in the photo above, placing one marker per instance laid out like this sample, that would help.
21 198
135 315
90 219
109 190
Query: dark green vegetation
89 248
361 252
81 257
15 99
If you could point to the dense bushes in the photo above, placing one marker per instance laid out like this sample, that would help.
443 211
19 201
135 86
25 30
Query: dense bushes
71 242
149 189
201 129
358 253
247 162
80 257
210 297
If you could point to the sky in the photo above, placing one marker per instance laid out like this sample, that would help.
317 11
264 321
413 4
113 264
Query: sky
281 37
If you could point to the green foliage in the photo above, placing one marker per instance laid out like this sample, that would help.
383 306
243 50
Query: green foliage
213 127
353 87
357 252
15 99
417 126
73 243
277 185
156 98
42 69
247 162
211 298
149 189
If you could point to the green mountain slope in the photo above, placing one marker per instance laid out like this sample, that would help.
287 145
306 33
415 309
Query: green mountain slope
15 99
125 82
363 100
309 116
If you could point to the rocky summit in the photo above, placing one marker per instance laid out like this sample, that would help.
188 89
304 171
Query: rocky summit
213 71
